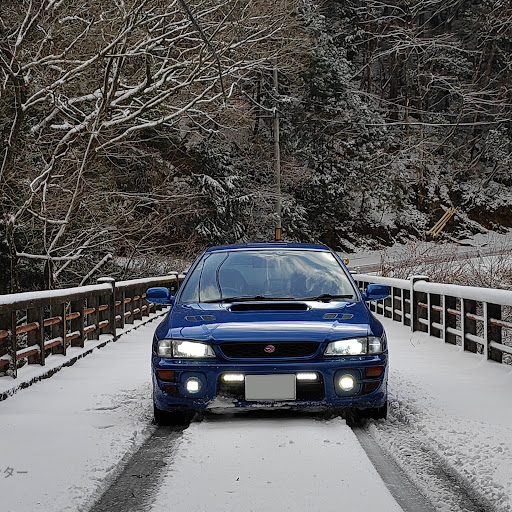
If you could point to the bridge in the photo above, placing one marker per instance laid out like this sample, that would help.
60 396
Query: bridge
83 440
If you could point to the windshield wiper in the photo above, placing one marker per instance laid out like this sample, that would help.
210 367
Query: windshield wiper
234 299
329 296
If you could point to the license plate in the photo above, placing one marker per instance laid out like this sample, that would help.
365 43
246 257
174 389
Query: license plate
270 387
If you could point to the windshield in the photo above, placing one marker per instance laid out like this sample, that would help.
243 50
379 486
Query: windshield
267 275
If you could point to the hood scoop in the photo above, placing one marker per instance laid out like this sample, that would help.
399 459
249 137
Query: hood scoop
269 306
333 316
206 318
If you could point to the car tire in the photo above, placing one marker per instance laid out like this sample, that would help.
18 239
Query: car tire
359 417
168 418
355 418
379 413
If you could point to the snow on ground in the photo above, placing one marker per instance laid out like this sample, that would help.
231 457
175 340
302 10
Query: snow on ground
481 242
64 438
452 406
234 463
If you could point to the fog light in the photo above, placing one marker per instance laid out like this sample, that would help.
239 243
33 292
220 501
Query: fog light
307 376
193 385
233 377
346 382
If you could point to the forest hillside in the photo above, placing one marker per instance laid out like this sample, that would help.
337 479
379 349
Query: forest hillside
137 132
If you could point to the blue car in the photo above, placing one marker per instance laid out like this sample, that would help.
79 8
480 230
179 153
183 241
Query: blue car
268 325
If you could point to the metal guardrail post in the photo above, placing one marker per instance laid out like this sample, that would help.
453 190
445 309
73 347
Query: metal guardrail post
403 304
93 302
137 303
407 303
111 305
8 323
449 320
394 298
492 332
121 310
60 329
434 305
388 303
415 324
129 306
77 324
37 336
467 324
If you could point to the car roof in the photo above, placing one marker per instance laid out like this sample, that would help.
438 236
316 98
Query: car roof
269 245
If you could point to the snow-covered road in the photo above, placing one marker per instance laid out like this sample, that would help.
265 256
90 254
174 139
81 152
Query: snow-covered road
65 439
262 464
451 413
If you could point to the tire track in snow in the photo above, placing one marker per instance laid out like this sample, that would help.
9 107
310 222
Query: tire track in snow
418 479
133 489
271 461
416 456
405 492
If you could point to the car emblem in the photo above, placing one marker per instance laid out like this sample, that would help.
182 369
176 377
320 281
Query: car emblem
270 349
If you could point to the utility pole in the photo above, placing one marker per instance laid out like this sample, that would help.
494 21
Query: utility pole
277 155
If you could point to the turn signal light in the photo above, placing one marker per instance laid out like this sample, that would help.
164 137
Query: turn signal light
166 375
374 371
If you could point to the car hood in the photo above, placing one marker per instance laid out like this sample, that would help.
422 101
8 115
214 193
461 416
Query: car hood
218 323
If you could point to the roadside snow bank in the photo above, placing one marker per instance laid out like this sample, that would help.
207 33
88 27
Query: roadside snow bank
449 410
64 438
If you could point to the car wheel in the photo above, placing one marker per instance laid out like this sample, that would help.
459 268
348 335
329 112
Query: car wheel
379 413
167 418
359 417
356 417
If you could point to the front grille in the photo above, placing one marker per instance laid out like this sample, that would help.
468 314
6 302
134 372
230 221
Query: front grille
258 350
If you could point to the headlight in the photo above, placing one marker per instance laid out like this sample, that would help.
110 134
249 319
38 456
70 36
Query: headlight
184 349
354 346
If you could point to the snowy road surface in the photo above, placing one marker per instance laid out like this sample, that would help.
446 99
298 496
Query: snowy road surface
65 439
271 465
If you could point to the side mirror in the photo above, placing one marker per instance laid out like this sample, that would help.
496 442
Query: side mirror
159 295
375 292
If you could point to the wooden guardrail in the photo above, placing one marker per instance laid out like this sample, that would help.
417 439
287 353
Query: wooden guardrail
478 319
34 325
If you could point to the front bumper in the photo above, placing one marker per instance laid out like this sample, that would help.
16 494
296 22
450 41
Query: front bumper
171 394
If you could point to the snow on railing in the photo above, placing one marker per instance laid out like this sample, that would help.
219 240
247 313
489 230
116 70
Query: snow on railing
34 325
477 319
